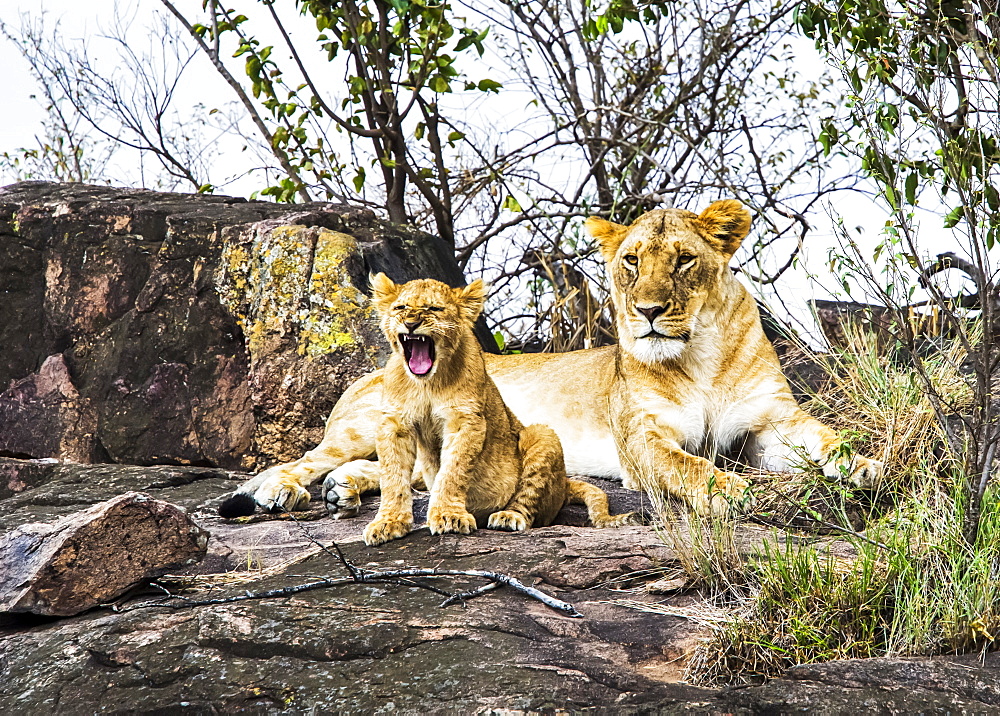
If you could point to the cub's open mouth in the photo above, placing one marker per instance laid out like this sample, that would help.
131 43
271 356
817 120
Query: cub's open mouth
418 351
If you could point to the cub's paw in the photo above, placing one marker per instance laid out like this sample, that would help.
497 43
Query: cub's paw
443 521
508 520
280 493
725 493
341 494
629 518
859 472
384 529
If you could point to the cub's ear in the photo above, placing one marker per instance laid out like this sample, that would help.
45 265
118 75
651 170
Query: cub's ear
727 223
608 234
384 291
470 299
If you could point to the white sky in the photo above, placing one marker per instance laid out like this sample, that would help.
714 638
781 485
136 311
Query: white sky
85 18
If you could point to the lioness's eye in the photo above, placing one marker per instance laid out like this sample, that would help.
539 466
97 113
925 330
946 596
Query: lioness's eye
435 308
631 259
684 259
399 308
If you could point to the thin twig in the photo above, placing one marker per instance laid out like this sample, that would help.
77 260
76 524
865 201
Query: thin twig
469 594
813 515
403 577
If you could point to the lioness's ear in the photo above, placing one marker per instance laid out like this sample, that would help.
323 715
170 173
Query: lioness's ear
727 223
608 234
384 291
470 299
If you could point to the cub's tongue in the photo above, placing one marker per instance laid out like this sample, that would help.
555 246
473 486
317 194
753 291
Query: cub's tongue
420 359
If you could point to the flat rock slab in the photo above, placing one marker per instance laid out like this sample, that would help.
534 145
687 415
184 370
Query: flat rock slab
94 556
392 648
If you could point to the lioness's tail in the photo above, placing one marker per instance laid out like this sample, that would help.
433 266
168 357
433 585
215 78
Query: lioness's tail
241 503
238 504
579 492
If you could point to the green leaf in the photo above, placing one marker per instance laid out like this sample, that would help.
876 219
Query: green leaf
455 136
992 197
359 180
954 216
510 203
489 86
911 188
890 196
438 84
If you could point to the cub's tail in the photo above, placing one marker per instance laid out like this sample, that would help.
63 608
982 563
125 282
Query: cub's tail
579 492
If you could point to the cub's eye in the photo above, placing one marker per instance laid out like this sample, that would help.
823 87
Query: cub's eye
399 308
631 259
436 309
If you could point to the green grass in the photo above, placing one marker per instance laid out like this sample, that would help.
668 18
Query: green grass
906 582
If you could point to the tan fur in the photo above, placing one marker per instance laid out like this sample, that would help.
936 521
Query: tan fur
655 410
478 461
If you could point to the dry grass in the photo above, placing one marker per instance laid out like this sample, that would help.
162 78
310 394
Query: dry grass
915 586
253 573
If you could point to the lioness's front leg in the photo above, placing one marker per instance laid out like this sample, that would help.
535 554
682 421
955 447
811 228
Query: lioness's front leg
792 438
397 451
349 435
283 487
653 458
464 435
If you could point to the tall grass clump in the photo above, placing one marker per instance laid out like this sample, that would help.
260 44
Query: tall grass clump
911 582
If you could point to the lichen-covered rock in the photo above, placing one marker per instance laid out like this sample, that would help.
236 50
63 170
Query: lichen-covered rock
294 292
141 327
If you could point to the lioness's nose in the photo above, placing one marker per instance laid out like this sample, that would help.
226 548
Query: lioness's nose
412 324
651 312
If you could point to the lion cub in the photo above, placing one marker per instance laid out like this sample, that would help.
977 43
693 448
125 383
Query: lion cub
441 411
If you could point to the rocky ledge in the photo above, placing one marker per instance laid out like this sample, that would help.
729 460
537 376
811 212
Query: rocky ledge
381 648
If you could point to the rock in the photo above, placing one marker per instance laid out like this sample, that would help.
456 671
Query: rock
44 410
149 328
387 648
889 685
94 556
840 320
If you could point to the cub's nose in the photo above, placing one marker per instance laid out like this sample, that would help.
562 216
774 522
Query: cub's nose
412 324
651 312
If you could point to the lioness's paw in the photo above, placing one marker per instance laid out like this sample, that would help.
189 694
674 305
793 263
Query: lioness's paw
341 494
867 473
725 494
508 520
630 483
629 518
384 529
859 472
443 521
280 493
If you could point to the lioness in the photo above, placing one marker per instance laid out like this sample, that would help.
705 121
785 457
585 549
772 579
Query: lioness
693 375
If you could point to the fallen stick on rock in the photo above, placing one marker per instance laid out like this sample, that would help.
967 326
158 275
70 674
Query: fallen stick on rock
359 575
